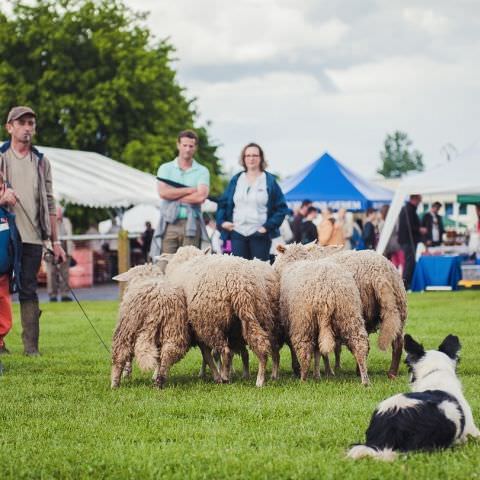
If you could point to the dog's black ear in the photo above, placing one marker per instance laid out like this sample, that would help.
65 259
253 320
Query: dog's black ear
414 349
450 346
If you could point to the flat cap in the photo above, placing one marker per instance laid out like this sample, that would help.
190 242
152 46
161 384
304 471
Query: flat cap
16 112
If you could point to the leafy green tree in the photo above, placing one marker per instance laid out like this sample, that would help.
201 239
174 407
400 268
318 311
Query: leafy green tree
398 157
99 81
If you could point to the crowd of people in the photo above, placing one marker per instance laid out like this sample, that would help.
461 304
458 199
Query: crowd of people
252 217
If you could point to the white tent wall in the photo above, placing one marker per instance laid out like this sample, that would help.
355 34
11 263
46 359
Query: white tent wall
460 176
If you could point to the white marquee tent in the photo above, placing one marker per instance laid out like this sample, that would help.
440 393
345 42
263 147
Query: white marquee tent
460 176
91 179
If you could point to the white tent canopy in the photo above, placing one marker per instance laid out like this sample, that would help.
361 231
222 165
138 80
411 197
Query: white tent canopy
460 176
91 179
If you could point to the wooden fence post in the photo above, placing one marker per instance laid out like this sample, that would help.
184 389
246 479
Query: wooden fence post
123 257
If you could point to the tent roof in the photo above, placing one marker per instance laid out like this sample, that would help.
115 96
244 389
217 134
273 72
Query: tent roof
94 180
327 180
459 176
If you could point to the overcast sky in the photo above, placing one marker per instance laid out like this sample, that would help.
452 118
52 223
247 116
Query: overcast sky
302 77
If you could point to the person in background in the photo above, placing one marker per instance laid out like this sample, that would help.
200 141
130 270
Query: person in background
146 241
309 229
10 252
345 219
433 224
252 208
409 235
57 274
330 232
181 221
370 230
30 198
213 233
298 219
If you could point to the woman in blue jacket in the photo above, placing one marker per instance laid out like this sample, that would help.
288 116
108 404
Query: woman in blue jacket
252 208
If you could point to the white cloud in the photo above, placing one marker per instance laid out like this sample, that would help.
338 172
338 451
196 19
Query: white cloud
426 19
304 76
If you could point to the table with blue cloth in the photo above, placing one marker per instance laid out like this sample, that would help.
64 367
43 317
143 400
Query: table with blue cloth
436 271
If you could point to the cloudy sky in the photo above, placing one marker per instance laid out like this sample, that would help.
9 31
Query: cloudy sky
302 77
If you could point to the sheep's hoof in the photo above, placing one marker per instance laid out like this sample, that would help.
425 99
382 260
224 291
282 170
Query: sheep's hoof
217 380
392 375
225 380
115 385
260 383
245 375
275 376
160 381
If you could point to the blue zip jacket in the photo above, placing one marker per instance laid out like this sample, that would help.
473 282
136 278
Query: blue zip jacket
10 249
276 207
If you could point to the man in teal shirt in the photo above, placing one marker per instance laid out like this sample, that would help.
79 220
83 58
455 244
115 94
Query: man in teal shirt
180 220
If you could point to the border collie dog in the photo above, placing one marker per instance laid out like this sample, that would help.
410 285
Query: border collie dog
434 415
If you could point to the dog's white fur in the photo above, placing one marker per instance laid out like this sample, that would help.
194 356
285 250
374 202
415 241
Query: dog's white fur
433 371
436 371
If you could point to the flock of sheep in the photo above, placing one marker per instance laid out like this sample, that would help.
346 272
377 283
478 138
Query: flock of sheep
314 299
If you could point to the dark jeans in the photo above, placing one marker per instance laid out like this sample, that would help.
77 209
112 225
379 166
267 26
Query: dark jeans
409 250
254 246
31 258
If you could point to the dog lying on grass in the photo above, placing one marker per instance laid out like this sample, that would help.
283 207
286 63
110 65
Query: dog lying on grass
434 415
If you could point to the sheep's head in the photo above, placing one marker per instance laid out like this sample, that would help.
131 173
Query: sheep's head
183 254
147 270
293 252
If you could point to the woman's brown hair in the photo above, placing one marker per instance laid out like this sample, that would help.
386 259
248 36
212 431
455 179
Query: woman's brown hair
263 162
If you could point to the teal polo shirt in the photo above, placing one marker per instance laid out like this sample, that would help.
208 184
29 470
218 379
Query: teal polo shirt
193 177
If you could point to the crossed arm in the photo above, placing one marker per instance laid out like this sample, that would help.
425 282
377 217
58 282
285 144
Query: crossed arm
190 195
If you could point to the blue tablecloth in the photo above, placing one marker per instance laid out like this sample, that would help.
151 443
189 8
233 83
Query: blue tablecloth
437 271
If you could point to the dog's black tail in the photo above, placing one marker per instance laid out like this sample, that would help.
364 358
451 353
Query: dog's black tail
362 451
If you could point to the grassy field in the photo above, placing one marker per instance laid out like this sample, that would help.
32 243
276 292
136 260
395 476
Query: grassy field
59 418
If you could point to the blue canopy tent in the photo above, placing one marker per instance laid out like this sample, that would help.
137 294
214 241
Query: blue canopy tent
329 183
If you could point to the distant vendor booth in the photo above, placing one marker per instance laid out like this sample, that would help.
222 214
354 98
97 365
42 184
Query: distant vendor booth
453 264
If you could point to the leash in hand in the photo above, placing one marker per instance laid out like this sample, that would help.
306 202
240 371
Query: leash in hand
50 253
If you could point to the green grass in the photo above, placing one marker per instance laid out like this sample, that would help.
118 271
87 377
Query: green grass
59 418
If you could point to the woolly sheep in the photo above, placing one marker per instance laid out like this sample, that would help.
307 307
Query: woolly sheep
383 296
152 325
222 290
320 305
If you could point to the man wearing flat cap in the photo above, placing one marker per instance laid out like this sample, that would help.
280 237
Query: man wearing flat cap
30 198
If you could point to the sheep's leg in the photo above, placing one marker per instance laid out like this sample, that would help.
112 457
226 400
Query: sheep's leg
258 341
295 364
359 349
170 353
226 364
207 356
127 369
304 352
397 347
275 363
338 353
245 363
316 363
121 354
328 369
203 369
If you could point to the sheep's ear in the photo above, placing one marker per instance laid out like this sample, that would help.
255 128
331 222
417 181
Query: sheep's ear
207 250
123 277
414 349
450 346
163 258
281 248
